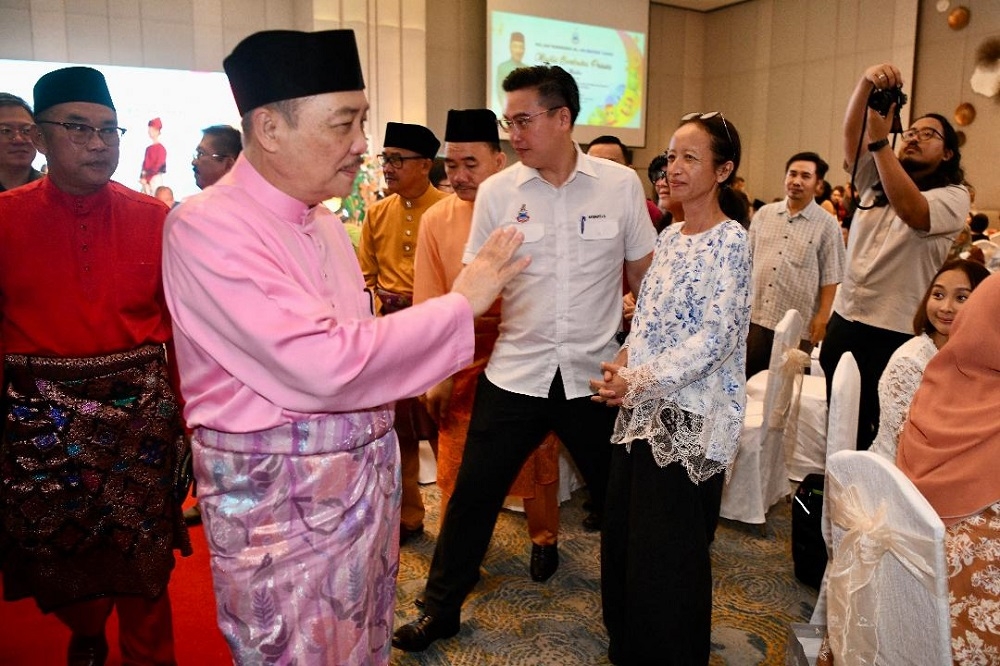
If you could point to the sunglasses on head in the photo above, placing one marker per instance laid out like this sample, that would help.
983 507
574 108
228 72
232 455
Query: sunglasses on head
708 116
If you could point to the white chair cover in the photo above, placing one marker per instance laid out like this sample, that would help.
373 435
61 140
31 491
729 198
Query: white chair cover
888 585
759 477
842 435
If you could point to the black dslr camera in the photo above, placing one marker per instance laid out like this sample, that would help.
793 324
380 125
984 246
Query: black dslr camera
881 99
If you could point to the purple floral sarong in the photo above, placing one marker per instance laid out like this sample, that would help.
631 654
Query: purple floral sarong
302 522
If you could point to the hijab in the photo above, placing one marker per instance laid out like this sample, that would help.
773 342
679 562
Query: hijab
950 444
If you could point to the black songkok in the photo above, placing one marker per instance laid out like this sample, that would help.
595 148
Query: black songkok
470 125
417 138
71 84
276 65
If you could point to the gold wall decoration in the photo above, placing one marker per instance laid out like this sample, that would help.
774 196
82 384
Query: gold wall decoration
958 18
965 113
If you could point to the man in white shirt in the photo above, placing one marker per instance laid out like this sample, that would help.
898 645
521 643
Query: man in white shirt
912 206
581 218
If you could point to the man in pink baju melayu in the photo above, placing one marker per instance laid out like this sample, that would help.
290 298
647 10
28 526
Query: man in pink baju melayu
288 377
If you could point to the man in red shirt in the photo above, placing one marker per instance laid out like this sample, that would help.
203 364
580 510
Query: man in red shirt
89 514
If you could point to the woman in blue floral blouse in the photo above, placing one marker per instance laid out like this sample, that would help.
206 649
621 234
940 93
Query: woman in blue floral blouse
680 382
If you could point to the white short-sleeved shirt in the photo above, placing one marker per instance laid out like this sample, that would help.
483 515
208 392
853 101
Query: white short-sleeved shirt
564 310
890 264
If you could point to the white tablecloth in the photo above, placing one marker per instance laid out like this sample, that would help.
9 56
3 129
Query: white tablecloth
807 454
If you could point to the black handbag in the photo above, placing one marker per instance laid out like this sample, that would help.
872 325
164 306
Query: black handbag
809 554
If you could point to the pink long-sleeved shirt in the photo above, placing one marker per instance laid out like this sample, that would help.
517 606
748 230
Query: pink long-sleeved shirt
272 322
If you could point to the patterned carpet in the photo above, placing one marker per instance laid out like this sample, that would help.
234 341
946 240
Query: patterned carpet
510 620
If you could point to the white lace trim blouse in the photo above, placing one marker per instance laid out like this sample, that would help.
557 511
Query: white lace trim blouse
687 351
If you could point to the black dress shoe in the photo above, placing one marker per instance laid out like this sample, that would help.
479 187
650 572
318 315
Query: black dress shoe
592 523
405 533
87 650
419 634
544 562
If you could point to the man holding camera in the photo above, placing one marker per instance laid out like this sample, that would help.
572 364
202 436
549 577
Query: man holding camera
911 206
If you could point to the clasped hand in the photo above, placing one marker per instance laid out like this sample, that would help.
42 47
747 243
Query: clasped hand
612 388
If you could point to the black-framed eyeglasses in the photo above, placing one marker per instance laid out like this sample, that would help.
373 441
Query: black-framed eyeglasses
199 153
10 132
522 122
80 134
708 116
395 160
922 134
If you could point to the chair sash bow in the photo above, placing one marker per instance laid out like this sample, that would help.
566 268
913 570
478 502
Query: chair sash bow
785 411
867 539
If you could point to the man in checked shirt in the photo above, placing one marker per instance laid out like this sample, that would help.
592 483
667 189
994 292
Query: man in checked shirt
798 261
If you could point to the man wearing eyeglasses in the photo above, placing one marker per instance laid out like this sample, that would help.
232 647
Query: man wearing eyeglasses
473 154
387 250
89 515
582 219
911 207
216 154
16 150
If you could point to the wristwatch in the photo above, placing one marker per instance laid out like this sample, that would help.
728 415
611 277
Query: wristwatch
878 145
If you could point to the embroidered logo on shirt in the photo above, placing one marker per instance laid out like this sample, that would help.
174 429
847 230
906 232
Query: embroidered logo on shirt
522 215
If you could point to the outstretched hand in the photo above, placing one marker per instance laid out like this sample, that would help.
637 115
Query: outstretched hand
481 280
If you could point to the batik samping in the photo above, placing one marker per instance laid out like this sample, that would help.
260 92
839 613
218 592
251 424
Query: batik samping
303 524
89 455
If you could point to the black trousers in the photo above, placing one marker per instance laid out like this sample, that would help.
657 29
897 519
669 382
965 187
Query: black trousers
872 348
656 571
506 427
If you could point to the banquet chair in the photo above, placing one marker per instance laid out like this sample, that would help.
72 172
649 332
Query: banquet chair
759 477
888 583
842 435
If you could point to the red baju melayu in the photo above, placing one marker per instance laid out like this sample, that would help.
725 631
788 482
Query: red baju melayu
87 502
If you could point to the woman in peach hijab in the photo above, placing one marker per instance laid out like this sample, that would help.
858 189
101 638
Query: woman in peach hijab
949 448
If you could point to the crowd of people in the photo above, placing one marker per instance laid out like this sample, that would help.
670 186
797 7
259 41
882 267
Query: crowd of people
239 336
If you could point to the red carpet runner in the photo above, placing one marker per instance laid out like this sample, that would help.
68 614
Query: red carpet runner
28 638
